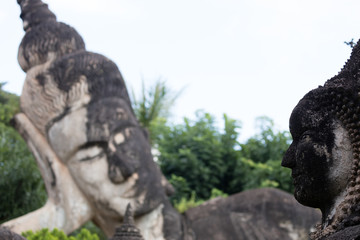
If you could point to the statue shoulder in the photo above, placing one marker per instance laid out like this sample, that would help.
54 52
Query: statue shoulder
345 234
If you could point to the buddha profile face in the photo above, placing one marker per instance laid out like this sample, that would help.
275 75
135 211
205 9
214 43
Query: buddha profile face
324 155
320 155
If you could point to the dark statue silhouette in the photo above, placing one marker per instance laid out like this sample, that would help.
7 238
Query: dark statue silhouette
325 153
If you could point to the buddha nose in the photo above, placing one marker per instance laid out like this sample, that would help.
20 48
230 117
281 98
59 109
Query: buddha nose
289 157
119 169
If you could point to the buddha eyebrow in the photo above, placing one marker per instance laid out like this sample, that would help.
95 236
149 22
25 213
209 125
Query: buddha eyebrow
123 127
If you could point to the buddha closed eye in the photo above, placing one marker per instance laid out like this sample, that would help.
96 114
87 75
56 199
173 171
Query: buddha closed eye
90 153
113 145
119 151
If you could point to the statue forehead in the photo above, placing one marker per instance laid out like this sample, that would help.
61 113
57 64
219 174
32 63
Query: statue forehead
92 123
69 133
309 114
107 116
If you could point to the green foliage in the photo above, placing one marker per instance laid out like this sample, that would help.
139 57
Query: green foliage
9 105
45 234
268 174
350 43
85 235
21 186
229 155
154 104
197 157
56 234
199 153
184 204
157 128
259 164
183 191
217 193
267 145
92 228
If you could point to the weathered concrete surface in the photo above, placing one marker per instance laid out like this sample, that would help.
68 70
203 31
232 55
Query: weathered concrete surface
345 234
255 214
6 234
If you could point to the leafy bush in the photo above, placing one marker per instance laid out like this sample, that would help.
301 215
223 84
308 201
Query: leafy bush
268 144
199 153
197 156
56 234
184 204
187 203
92 228
9 105
21 186
182 189
268 174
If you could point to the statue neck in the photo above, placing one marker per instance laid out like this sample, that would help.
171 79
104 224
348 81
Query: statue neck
328 212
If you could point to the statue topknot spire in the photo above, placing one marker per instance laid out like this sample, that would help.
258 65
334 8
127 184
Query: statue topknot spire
128 230
45 39
34 12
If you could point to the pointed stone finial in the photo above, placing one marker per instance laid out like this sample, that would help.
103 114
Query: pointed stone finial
34 12
128 230
128 218
45 39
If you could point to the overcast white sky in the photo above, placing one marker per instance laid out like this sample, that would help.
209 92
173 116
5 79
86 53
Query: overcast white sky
245 58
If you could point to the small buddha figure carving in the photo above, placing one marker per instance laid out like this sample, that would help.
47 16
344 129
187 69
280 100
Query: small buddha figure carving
128 230
325 153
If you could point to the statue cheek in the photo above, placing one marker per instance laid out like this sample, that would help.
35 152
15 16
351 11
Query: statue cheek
313 161
302 156
115 174
307 159
120 168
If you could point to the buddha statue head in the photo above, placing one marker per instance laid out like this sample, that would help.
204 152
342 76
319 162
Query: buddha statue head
325 153
79 102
